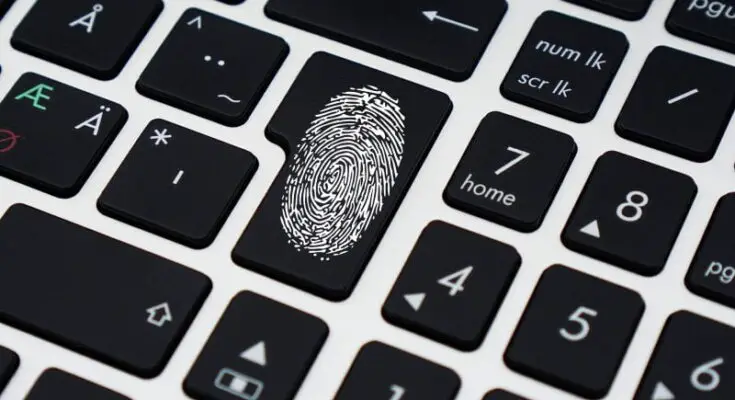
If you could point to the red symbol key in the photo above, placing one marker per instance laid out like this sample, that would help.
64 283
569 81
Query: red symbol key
8 140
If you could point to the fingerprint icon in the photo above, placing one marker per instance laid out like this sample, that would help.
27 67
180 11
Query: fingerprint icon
344 168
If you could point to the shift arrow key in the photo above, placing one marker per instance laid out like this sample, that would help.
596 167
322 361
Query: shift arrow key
93 294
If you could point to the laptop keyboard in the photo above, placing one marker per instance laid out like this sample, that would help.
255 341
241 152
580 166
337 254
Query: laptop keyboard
399 200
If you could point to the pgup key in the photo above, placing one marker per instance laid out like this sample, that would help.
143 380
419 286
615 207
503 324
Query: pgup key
565 66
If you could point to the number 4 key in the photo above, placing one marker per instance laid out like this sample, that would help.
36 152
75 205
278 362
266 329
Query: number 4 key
452 285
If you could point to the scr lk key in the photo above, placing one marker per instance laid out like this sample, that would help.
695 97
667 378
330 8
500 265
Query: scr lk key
565 66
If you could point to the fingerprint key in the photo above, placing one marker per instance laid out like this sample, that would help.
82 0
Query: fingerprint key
511 172
355 138
713 269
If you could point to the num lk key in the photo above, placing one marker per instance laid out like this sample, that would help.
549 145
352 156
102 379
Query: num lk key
565 66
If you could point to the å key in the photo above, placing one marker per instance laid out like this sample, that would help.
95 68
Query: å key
355 139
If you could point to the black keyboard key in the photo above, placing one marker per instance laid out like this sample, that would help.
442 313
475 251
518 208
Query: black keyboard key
5 6
693 359
98 296
630 213
713 269
202 70
502 395
384 372
54 384
169 185
94 37
9 362
446 38
683 110
452 285
575 331
627 9
355 138
511 172
565 66
52 135
705 21
260 349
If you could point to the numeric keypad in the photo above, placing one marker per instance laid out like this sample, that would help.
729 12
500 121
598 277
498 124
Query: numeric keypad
630 213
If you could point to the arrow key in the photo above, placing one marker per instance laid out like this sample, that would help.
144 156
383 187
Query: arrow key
452 285
260 349
693 359
630 213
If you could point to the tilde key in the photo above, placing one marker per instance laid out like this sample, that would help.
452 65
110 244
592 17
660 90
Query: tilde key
565 66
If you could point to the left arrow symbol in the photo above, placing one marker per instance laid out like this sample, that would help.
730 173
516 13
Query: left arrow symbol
415 300
434 16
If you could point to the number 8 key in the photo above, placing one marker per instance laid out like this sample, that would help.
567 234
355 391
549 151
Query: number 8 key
630 213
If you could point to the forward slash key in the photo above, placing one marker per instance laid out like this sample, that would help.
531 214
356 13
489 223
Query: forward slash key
683 96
